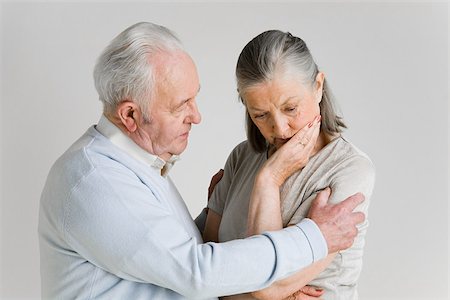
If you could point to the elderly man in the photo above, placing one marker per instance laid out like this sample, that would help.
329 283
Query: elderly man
112 224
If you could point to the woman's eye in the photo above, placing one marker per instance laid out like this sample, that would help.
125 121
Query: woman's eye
291 109
260 116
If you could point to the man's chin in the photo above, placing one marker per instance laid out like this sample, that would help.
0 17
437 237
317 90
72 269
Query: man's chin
180 149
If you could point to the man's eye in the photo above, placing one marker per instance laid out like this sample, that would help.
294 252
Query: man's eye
182 106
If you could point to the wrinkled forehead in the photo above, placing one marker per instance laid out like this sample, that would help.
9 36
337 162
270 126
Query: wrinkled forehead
171 63
175 75
282 76
284 83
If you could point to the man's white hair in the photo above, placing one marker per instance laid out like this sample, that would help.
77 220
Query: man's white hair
124 69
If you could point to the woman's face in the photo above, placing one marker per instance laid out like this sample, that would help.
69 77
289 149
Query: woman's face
282 106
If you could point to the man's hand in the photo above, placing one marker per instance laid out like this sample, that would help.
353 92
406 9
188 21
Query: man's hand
214 180
306 293
337 221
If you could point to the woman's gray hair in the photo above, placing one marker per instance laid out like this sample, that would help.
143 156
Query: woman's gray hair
124 69
270 53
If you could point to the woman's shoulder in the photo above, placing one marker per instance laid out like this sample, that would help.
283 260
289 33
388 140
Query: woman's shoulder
347 170
244 155
242 146
340 152
351 155
244 149
350 166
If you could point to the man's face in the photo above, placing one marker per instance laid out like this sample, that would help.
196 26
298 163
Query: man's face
173 108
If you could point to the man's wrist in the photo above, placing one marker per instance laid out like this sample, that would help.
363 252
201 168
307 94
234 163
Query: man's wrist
317 242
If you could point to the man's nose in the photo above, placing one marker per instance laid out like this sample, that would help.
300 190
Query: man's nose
194 115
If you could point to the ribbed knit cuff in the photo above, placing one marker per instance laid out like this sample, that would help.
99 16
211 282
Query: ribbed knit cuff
315 238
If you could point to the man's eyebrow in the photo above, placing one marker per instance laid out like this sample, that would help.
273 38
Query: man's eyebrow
187 99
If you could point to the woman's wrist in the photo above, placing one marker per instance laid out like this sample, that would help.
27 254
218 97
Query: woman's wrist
268 177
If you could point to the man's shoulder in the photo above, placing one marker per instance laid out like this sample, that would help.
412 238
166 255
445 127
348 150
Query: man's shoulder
91 151
74 156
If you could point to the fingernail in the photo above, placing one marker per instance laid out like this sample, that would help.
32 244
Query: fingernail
319 289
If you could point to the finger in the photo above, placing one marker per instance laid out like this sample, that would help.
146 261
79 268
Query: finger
302 133
358 217
315 135
312 291
321 198
302 296
218 176
351 202
310 137
214 180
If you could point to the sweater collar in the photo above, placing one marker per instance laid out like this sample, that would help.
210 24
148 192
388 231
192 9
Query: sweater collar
121 140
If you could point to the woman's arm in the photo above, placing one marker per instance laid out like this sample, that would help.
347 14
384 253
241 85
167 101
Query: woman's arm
288 286
264 207
266 215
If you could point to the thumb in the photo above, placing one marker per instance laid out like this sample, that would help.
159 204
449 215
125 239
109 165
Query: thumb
322 198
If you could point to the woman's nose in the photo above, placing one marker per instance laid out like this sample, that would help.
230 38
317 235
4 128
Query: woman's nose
280 126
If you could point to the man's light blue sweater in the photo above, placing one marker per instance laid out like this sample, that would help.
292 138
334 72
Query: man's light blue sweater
111 227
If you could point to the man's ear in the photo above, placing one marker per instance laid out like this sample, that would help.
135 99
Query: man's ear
129 114
320 79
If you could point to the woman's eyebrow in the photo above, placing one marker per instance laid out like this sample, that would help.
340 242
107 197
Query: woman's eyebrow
290 98
255 108
284 103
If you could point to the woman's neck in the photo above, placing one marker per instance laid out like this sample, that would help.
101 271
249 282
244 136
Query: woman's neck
322 140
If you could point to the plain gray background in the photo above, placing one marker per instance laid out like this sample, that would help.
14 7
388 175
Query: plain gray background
386 63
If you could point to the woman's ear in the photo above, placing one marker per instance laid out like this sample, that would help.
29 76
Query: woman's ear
129 115
318 85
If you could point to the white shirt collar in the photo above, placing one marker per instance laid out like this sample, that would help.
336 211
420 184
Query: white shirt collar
121 140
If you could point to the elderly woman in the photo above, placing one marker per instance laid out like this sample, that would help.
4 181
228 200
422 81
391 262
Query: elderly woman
283 91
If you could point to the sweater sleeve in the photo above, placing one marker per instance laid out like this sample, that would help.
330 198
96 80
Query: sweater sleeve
124 229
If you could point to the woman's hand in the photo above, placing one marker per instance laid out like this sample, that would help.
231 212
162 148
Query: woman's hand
264 212
293 155
305 293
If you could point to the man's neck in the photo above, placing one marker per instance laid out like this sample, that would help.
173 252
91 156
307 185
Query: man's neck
136 137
